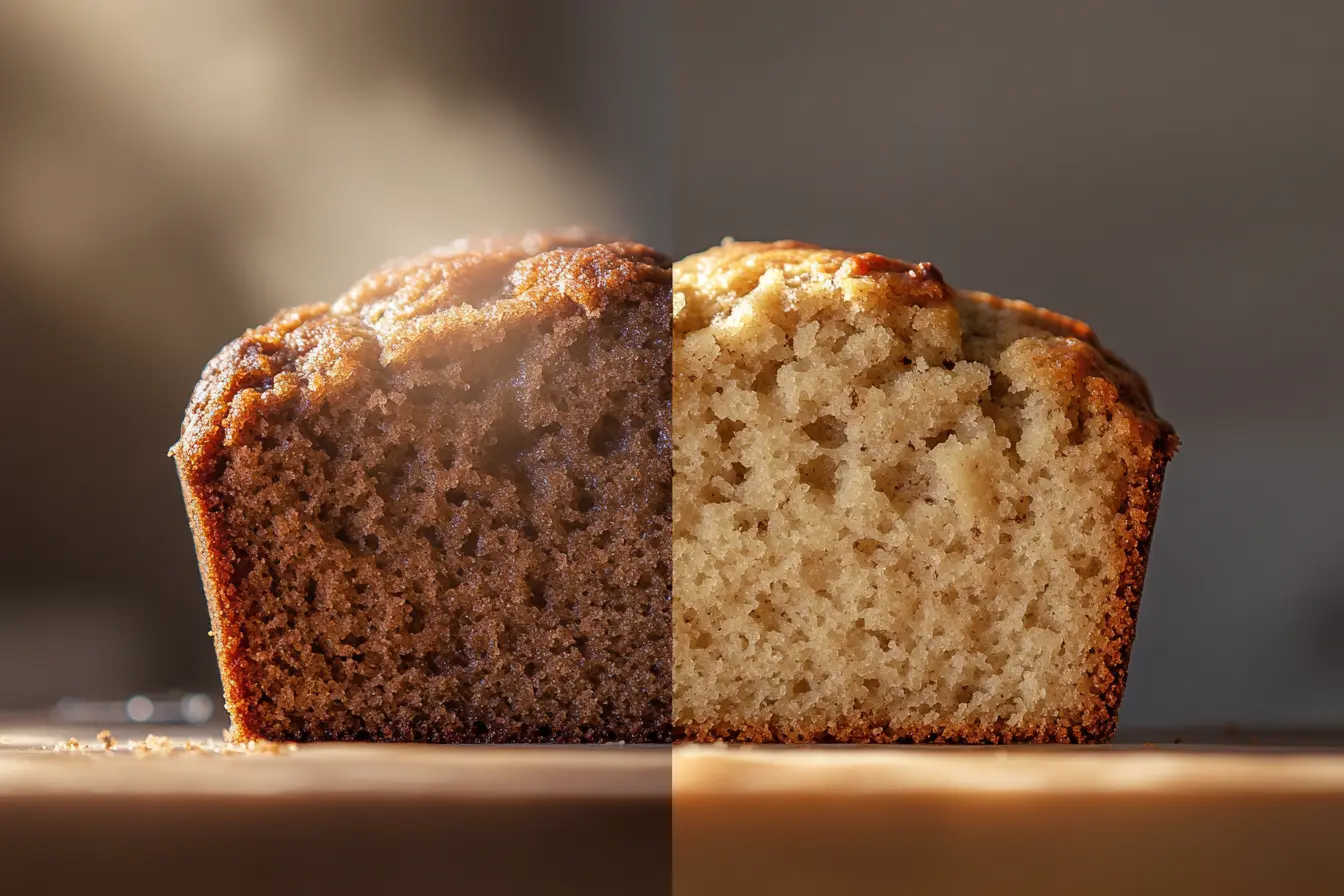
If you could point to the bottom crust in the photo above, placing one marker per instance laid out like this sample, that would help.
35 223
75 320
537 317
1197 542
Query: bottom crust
860 730
245 727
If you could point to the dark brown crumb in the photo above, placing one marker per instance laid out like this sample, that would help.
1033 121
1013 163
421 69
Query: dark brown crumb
440 509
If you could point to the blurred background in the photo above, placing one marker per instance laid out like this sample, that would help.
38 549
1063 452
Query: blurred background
1169 172
173 173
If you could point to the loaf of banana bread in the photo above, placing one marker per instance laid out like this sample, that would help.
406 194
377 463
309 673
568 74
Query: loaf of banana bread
439 509
902 512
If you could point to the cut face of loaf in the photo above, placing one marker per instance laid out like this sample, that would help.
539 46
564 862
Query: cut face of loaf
901 512
440 509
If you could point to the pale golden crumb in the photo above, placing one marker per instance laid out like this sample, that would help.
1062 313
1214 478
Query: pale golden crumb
891 511
106 739
70 745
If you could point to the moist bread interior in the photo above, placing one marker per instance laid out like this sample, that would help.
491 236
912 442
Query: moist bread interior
900 512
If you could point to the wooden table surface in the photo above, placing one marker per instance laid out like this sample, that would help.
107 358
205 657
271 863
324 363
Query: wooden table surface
171 809
1222 812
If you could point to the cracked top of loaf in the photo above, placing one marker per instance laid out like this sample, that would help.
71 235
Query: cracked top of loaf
410 311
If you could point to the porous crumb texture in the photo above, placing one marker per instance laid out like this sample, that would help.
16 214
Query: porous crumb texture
901 512
440 508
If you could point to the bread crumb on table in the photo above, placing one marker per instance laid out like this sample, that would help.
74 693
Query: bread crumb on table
163 745
153 743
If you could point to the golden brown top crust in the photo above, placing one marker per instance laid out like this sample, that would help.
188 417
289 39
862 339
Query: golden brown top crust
460 297
707 281
787 254
708 284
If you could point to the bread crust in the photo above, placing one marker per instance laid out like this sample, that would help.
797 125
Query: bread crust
1080 366
475 291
